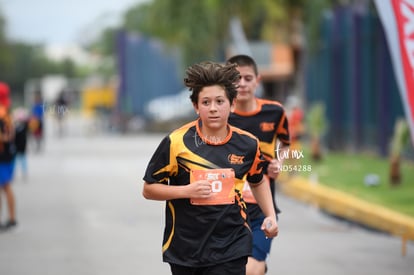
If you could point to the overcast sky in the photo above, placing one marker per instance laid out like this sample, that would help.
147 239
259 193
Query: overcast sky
60 21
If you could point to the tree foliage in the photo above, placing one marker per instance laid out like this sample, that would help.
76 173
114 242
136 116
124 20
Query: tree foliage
200 28
22 61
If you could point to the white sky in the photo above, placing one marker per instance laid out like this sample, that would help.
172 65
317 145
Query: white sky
60 22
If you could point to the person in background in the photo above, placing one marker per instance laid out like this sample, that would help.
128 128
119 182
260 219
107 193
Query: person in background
206 230
297 130
36 122
266 120
21 122
61 110
7 153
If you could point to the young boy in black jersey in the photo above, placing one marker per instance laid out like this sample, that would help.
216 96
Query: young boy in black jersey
206 229
266 120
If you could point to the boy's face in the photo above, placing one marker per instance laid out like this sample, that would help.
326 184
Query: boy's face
213 107
248 83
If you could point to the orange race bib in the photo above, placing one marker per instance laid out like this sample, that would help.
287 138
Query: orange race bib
222 186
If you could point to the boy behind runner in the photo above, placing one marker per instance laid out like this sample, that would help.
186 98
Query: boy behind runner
267 121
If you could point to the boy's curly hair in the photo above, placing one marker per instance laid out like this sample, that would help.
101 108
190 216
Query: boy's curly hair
209 73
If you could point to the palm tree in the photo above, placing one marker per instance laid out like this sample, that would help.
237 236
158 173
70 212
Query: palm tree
398 142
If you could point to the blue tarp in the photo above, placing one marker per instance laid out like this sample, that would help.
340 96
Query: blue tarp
147 70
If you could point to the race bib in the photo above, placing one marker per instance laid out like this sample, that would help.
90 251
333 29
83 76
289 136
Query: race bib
222 186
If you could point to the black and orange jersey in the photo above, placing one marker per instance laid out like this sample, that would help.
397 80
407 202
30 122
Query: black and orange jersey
270 125
203 235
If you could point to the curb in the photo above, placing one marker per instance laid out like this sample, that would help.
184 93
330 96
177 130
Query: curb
351 208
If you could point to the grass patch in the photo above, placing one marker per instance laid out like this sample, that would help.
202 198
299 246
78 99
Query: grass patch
348 172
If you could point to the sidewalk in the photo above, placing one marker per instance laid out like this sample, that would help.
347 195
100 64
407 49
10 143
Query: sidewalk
81 212
351 208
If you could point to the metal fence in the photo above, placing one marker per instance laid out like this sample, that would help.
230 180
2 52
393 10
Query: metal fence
351 73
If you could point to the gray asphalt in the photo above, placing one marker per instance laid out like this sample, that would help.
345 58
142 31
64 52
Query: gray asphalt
80 211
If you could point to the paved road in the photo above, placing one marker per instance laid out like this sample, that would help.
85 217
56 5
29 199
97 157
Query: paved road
81 212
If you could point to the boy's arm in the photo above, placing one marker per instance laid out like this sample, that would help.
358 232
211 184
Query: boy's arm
264 199
161 192
273 169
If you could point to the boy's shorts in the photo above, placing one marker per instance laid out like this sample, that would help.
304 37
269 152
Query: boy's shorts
261 245
234 267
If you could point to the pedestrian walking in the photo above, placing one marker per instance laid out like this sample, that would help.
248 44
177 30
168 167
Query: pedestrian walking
36 122
199 170
297 131
21 125
61 110
7 153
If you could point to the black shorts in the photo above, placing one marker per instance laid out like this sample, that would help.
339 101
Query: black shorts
235 267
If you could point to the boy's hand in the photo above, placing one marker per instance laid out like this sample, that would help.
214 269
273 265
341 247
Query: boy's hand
199 189
270 227
273 169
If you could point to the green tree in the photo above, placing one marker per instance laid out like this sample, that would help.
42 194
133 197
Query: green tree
21 61
5 56
29 61
200 28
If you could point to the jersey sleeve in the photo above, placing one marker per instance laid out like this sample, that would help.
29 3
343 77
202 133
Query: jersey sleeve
255 173
283 130
161 163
